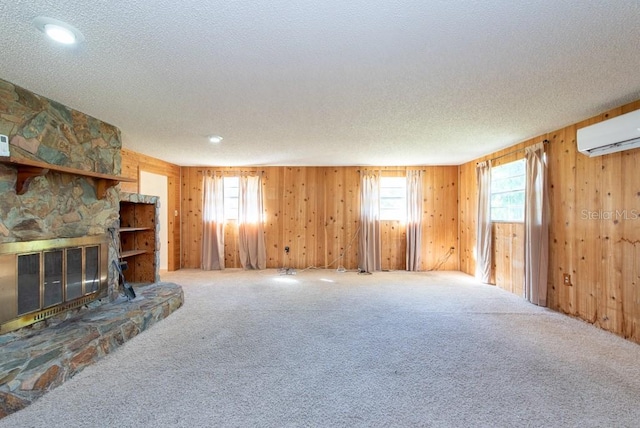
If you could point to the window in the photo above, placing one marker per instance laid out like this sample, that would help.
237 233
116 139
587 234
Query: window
393 198
231 195
507 192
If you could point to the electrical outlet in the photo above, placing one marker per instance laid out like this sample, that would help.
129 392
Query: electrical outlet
566 279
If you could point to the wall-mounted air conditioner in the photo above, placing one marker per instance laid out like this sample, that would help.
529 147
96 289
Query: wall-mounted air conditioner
613 135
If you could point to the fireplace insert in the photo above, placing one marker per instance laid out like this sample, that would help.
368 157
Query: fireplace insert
40 279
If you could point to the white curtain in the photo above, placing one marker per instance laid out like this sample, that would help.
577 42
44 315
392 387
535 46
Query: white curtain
414 219
369 254
536 224
252 249
213 223
483 237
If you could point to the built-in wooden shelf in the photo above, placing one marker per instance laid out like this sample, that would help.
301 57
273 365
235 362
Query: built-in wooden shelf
27 169
138 221
133 229
132 253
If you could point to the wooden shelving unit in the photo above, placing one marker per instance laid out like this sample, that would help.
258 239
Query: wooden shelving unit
131 253
138 241
27 169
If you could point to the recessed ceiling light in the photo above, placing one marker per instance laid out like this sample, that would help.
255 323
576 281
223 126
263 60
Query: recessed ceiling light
60 34
215 139
59 31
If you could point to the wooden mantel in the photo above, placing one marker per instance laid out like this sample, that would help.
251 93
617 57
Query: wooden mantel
27 169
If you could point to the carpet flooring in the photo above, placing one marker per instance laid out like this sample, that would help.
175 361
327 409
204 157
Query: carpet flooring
329 349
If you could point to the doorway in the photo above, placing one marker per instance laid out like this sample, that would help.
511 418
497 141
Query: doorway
157 185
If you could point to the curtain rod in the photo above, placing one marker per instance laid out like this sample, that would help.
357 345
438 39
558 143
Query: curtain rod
236 172
511 153
391 170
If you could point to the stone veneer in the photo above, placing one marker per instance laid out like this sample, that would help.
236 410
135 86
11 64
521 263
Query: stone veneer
56 205
34 362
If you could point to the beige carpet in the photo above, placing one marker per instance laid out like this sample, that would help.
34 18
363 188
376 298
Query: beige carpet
321 348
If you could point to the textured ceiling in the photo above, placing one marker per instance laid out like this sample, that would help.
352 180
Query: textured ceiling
308 82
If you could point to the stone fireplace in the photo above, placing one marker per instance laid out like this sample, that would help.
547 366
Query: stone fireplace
55 216
59 218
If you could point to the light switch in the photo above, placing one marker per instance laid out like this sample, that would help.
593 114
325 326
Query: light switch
4 145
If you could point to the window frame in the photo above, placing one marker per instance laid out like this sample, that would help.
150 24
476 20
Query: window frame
400 208
231 214
521 188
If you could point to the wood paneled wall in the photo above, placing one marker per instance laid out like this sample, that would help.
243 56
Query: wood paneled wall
594 230
315 212
507 270
132 164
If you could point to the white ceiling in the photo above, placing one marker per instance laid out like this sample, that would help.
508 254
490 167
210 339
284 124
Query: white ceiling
312 82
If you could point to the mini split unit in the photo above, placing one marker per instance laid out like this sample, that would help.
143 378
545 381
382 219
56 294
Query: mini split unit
610 136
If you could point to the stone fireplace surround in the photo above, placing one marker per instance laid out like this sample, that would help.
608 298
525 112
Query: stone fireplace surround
56 205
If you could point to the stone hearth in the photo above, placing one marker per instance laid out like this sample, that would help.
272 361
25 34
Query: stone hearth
36 361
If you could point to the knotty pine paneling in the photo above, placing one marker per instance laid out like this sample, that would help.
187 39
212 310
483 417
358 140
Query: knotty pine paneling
231 251
393 235
130 170
594 231
508 261
132 164
191 179
301 198
440 218
315 212
340 213
468 207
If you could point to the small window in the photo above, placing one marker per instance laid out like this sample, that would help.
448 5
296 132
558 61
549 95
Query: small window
507 192
231 196
393 198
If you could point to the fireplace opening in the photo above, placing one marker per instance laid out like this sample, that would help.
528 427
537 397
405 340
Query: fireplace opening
40 279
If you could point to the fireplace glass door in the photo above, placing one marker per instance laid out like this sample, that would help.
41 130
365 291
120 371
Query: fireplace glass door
28 283
52 278
58 285
39 279
92 269
74 273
